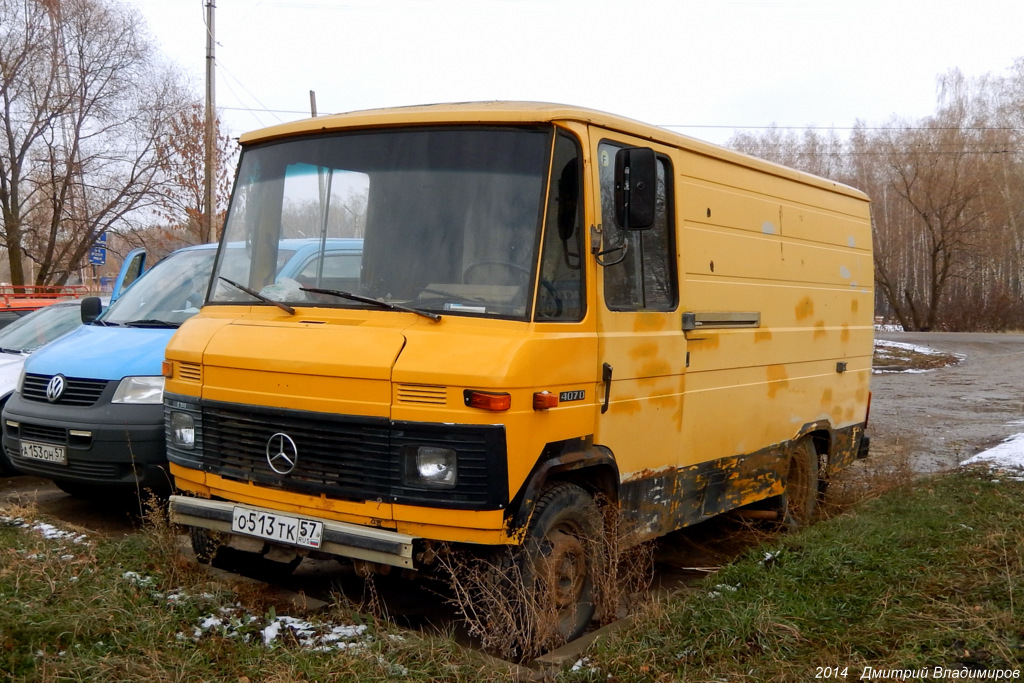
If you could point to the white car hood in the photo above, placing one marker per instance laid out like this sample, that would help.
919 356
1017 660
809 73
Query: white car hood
10 370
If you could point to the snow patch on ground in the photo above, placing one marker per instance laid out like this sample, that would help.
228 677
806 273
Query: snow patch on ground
1007 457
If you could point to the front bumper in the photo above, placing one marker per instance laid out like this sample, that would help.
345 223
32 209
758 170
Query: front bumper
339 538
116 445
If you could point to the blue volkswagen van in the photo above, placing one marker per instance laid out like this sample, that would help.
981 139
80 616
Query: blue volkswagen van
88 410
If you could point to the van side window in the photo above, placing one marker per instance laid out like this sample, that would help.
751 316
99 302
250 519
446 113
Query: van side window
646 278
559 294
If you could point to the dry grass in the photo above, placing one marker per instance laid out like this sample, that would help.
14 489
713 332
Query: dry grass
512 616
890 467
928 575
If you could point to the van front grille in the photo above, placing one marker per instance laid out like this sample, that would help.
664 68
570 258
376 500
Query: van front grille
343 457
77 391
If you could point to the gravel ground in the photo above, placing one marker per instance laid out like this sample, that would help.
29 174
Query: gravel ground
942 417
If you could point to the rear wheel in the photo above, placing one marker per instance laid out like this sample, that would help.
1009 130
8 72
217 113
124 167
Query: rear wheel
800 500
6 467
560 557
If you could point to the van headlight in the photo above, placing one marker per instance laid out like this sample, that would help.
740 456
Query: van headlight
431 467
183 430
140 390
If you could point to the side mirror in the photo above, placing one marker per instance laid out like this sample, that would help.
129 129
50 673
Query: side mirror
636 187
91 309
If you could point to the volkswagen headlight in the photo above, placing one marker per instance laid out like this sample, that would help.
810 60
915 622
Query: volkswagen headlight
140 390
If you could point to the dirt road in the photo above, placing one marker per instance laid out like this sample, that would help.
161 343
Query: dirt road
942 417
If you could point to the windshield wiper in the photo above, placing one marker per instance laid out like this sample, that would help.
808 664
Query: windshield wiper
16 351
373 302
150 322
252 292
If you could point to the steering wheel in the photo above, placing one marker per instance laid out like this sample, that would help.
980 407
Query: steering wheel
544 309
494 262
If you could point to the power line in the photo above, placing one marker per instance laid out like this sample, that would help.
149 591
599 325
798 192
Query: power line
875 128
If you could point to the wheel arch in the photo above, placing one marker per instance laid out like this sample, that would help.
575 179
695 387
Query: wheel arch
577 461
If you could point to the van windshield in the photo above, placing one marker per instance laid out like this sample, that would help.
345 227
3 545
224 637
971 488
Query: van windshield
449 218
168 294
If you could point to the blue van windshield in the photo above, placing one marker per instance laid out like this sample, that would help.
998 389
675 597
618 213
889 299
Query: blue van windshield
168 294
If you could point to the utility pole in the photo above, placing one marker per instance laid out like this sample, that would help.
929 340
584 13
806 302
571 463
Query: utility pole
210 133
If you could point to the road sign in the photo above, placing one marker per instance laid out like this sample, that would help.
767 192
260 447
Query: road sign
98 256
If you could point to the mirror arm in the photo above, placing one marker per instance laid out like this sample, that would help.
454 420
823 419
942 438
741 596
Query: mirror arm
595 248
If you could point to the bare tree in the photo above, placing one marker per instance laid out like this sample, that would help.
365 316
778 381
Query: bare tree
940 170
182 158
84 103
947 201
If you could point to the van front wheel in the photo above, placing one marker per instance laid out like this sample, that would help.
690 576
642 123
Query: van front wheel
561 555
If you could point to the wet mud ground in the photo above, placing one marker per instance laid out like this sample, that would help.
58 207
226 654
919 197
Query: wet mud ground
933 419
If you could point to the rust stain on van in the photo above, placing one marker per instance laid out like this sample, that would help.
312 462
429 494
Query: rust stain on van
777 379
826 398
678 415
650 322
762 337
804 309
656 368
626 406
667 401
845 334
854 305
819 329
643 351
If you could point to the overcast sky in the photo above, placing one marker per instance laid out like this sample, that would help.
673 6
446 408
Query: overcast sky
700 67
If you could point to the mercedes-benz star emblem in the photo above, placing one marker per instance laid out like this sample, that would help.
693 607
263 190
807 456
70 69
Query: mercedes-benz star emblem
55 388
282 453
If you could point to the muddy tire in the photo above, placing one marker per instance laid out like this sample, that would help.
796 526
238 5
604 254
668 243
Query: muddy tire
210 549
799 502
560 556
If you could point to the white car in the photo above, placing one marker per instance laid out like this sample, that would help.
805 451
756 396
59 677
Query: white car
25 335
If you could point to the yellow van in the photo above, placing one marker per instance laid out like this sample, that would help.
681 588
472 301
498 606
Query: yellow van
554 306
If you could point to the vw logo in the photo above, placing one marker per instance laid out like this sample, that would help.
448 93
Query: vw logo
282 453
55 388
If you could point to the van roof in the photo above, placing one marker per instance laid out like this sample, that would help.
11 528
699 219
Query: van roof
518 112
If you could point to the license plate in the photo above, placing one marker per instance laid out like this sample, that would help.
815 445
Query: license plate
44 451
277 527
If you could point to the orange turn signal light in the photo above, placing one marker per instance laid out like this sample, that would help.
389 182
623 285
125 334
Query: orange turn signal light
167 369
542 400
486 400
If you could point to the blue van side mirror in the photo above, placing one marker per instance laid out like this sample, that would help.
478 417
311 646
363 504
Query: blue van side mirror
92 306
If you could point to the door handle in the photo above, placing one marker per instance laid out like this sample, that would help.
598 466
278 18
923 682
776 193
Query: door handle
606 377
